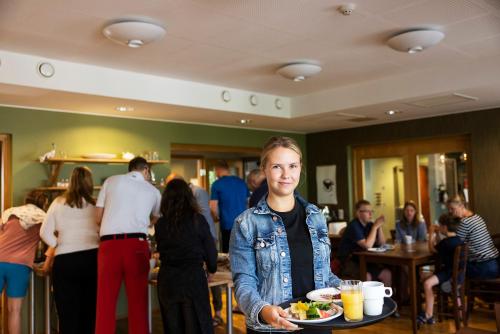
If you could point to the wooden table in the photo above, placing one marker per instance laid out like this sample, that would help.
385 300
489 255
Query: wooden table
412 257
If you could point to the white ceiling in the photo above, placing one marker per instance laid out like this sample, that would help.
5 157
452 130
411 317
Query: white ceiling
237 46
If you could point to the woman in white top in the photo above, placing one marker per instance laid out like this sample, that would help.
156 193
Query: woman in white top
71 231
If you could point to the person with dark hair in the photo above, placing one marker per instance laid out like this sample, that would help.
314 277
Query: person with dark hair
19 237
126 206
483 255
228 198
445 250
279 249
185 244
202 199
410 224
71 230
361 234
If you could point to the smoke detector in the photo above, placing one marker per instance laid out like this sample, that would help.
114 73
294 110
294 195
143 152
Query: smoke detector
347 9
415 41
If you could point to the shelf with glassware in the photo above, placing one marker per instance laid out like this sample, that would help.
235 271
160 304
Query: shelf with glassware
57 163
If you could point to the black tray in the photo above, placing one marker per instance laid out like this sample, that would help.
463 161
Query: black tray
389 308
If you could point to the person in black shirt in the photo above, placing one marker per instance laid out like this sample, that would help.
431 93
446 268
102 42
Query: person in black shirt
445 250
185 243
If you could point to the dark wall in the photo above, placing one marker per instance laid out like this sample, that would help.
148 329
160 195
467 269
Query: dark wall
332 147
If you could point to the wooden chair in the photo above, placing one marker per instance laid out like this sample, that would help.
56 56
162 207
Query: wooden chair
470 330
457 293
487 289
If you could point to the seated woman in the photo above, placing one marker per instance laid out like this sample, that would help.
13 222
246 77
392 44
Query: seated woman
483 255
19 237
279 249
410 224
361 234
184 242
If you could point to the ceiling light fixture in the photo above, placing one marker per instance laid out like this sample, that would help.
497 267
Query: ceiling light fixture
133 33
393 112
124 108
245 121
415 41
299 71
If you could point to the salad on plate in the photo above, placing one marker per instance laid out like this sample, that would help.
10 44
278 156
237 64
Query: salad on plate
313 312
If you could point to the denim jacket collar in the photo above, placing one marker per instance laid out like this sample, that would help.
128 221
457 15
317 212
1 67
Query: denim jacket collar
262 207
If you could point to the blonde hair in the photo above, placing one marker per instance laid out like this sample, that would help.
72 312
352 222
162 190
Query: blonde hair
275 142
80 187
456 200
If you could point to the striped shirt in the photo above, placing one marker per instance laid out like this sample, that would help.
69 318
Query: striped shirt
473 231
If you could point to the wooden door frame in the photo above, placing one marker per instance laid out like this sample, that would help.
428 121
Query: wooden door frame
408 150
6 161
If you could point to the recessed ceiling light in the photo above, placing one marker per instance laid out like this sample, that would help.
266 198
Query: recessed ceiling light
124 108
393 112
245 121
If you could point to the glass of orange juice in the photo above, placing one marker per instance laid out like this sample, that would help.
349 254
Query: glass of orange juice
351 292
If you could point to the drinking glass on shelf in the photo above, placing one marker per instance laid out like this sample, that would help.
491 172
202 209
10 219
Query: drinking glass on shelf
351 293
155 156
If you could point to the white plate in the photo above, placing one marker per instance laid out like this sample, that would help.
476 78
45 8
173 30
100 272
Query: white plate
339 310
99 156
321 295
376 250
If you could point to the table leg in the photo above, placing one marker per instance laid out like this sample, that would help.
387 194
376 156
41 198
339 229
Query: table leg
32 303
47 305
362 268
229 309
413 294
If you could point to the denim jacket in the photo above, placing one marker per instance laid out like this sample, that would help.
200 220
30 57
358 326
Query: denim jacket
260 259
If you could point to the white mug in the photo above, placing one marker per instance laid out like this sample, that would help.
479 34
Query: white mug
373 296
376 290
373 306
408 239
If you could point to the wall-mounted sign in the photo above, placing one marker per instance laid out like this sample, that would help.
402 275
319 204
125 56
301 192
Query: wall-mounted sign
326 184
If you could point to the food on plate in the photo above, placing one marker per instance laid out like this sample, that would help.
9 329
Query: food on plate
329 296
311 310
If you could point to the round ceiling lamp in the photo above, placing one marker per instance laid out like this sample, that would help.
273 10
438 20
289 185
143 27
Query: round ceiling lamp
133 33
299 71
415 41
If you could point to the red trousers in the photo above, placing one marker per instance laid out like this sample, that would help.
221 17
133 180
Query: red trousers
123 260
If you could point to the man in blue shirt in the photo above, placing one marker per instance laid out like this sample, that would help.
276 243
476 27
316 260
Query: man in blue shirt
228 198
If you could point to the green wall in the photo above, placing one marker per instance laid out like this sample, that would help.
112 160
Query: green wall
33 131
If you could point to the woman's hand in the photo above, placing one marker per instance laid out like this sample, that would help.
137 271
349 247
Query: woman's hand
275 316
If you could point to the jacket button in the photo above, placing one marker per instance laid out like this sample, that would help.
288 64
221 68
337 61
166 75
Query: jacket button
282 254
279 230
275 218
262 245
285 279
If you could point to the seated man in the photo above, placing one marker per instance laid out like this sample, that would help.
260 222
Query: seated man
361 234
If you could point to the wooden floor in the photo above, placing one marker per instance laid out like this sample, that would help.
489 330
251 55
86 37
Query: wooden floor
481 318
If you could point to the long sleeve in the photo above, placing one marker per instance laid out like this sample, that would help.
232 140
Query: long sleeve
49 226
208 244
421 231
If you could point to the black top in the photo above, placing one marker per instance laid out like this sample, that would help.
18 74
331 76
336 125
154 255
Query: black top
181 276
446 251
354 232
257 194
301 251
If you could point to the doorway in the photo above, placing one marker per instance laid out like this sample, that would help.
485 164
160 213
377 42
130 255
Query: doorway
427 171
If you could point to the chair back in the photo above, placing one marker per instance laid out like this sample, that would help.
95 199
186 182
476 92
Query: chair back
459 268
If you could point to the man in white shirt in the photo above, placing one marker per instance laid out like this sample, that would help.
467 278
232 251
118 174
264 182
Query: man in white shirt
126 206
